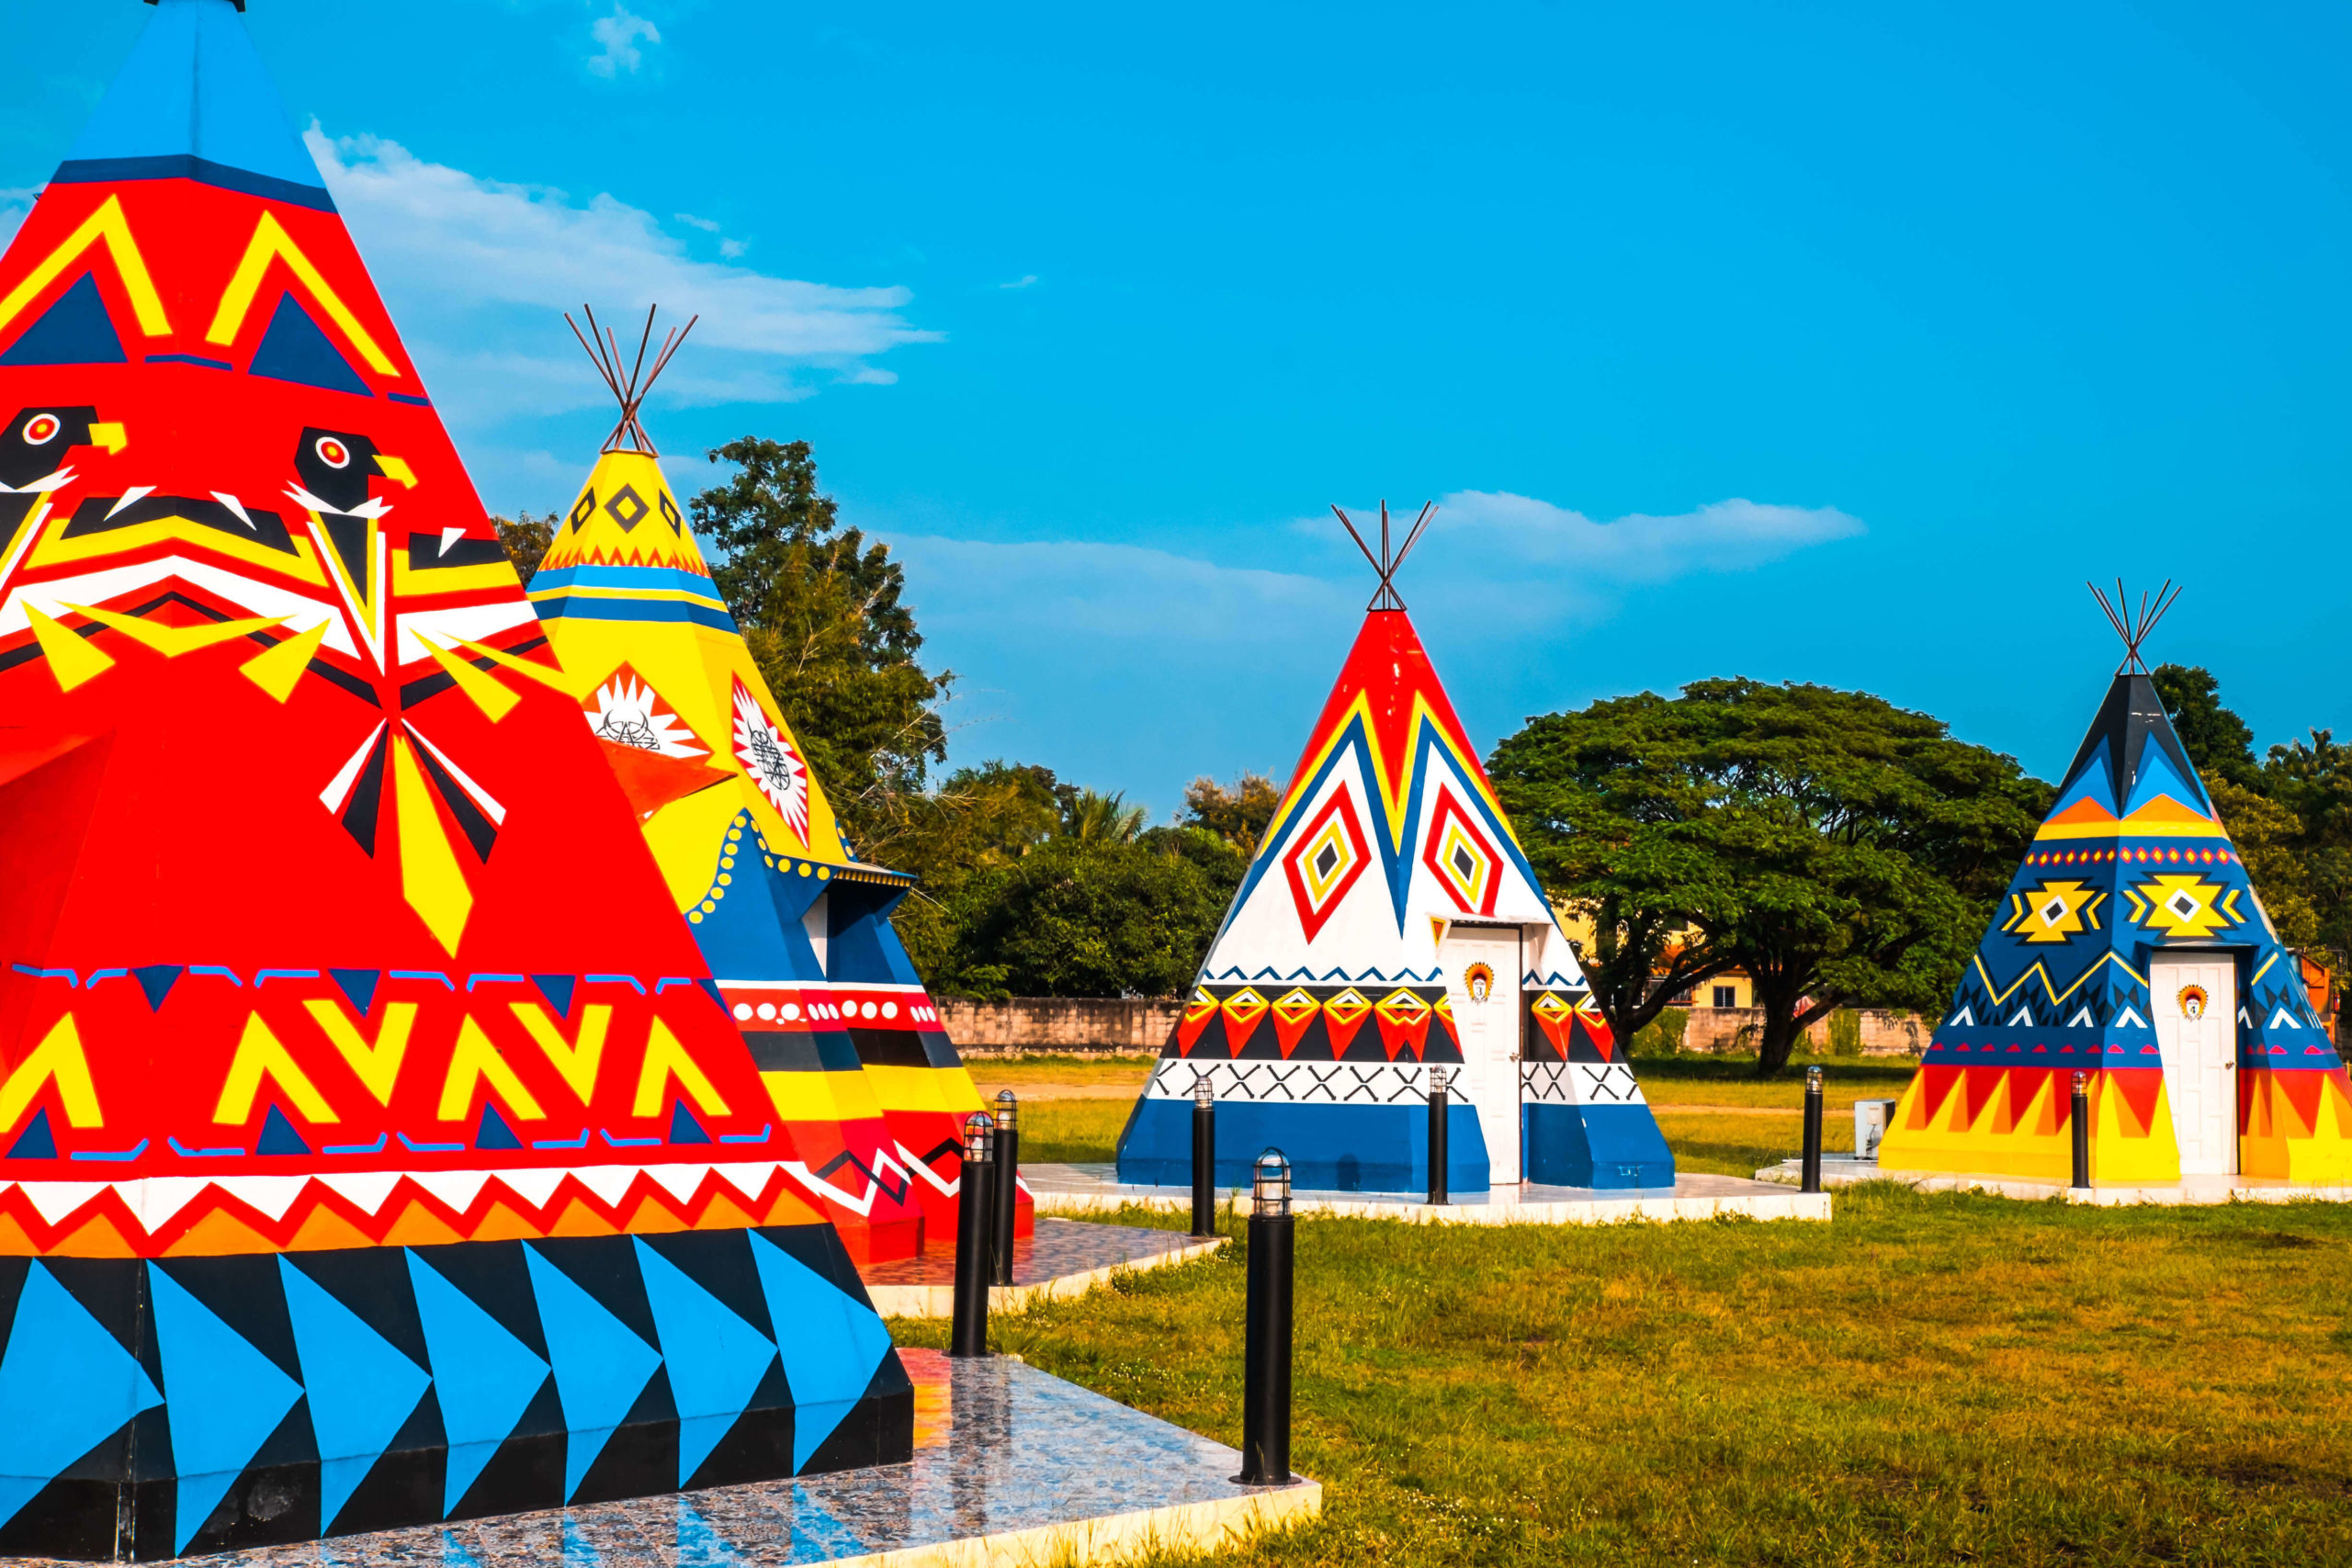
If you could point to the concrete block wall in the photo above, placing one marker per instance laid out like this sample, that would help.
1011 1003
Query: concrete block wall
1091 1024
1884 1033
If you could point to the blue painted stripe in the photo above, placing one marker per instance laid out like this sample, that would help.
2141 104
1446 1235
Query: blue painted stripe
375 1148
762 1137
474 980
425 975
186 1153
195 359
68 976
579 1143
416 1148
115 1158
187 166
626 1143
284 975
660 610
411 399
631 981
228 975
637 578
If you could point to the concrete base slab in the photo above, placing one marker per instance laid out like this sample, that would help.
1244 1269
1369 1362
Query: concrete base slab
1095 1189
1065 1257
1845 1170
1012 1469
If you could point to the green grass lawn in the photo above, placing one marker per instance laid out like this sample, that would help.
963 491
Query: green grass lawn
1732 1080
1928 1379
1680 1088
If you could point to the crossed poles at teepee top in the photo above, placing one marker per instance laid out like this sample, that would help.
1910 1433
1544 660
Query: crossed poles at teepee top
604 351
1384 563
2133 627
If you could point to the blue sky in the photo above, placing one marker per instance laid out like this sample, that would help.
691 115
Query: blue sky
1832 343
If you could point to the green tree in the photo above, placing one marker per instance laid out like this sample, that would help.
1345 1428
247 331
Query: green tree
1240 814
2216 740
525 539
2313 779
823 611
1093 818
1837 848
1079 918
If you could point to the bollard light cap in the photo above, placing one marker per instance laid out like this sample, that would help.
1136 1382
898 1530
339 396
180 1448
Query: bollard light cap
980 1136
1270 1185
1203 1089
1008 1111
2082 1080
1812 1080
1438 1079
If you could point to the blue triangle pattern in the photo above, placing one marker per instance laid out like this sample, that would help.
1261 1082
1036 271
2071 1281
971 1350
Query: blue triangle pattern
2158 777
557 990
601 1366
831 1352
484 1377
37 1141
296 349
683 1128
358 987
2092 782
494 1133
157 980
66 1383
75 330
278 1136
715 1358
226 1399
362 1390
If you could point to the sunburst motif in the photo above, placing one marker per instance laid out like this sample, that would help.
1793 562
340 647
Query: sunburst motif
772 760
627 712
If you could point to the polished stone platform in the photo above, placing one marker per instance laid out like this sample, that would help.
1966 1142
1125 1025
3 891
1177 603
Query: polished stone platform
1011 1467
1845 1170
1065 1257
1095 1189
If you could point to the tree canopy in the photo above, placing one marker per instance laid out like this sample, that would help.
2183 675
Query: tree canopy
823 611
2217 740
1836 847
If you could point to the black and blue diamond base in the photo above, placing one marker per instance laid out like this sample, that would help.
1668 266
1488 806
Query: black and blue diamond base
153 1408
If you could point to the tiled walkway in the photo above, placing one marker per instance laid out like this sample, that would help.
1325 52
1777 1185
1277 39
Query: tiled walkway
1096 1189
1065 1257
1010 1465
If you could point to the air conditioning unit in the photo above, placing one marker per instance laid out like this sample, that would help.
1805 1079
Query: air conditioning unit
1871 1119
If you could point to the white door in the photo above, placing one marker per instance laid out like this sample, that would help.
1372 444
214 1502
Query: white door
2196 1030
1482 972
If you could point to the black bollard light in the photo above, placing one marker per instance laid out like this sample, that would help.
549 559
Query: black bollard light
1203 1157
975 1196
2082 1109
1811 1130
1265 1355
1008 1183
1438 1151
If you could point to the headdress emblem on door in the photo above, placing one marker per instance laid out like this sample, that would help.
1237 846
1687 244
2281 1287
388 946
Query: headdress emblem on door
1479 981
2192 1001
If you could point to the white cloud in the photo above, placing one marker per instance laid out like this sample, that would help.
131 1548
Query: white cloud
1020 282
618 37
1557 564
707 225
1117 591
477 270
14 207
1728 535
